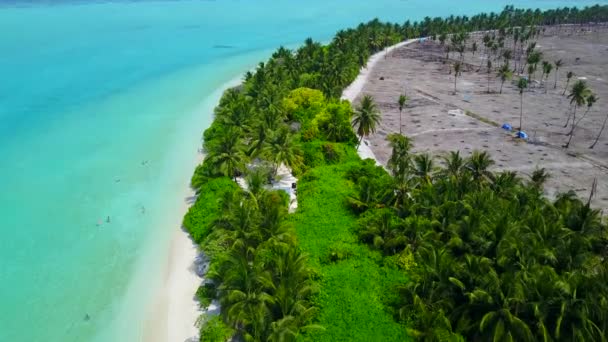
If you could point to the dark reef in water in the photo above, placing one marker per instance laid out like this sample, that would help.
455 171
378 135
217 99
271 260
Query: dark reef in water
220 46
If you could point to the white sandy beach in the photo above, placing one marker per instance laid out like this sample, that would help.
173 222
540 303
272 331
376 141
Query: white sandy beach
354 89
174 310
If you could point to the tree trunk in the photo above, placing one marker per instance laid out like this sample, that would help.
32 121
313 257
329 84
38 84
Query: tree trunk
573 127
566 87
542 76
600 133
488 82
455 78
359 143
569 116
582 117
521 109
501 84
400 121
555 85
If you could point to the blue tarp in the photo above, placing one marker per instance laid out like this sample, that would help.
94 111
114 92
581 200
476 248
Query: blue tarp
522 134
507 127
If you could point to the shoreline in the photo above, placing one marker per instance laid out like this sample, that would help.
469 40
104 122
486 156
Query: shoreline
353 90
174 310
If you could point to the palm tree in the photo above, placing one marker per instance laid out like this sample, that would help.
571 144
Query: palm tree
366 117
489 71
291 277
259 139
539 177
424 167
283 149
227 154
531 71
504 325
244 293
454 164
457 70
591 100
507 55
547 67
578 97
256 179
505 74
399 162
533 60
558 64
522 84
402 101
382 232
478 164
569 76
599 133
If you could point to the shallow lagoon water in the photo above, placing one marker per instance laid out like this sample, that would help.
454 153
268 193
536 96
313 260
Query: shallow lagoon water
102 105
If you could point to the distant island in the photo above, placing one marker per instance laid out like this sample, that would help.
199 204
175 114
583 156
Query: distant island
434 180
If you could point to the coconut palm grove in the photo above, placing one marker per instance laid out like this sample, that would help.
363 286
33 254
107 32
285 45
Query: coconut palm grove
429 248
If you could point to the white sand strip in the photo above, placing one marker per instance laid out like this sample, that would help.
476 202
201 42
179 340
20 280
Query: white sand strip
284 182
354 89
174 310
182 285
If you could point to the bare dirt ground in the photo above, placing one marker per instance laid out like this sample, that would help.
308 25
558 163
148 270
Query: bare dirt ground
439 121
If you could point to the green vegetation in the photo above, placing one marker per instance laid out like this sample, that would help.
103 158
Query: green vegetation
579 95
215 330
522 84
494 259
355 282
450 253
366 118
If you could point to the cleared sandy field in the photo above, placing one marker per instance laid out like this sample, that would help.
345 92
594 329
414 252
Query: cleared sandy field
440 121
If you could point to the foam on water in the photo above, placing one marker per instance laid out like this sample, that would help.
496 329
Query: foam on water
102 105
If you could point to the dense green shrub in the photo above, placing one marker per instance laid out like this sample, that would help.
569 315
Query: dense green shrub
355 288
303 104
206 209
205 294
214 329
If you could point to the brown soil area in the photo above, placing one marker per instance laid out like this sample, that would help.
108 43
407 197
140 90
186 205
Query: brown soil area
439 121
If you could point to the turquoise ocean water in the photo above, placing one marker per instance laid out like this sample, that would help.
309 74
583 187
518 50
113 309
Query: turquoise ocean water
102 105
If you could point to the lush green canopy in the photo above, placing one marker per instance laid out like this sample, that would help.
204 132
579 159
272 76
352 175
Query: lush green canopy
487 254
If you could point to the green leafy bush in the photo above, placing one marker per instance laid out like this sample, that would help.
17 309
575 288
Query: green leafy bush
213 329
206 209
355 290
205 294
